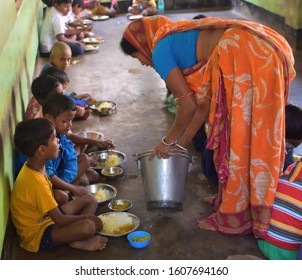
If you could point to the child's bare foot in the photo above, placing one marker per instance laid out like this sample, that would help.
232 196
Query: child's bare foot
92 244
208 198
204 224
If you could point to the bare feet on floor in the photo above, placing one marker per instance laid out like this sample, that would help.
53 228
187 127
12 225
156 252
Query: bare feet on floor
208 198
92 244
204 224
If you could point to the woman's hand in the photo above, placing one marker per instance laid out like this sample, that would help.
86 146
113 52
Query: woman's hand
161 151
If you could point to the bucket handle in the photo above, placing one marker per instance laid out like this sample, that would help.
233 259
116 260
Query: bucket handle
136 156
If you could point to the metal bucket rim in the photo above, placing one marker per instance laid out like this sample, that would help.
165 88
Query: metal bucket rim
183 154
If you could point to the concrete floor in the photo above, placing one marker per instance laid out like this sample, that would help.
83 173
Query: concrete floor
137 126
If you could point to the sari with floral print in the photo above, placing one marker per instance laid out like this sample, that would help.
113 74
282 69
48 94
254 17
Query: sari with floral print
247 79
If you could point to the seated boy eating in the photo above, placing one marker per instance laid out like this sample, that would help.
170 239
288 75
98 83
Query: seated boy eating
39 222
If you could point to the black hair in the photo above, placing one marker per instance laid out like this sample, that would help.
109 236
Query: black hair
59 2
32 133
199 16
293 121
48 3
59 74
56 104
127 47
43 85
78 3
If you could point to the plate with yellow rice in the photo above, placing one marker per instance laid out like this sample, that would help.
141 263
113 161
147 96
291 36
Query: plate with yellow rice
102 192
117 224
106 158
104 107
93 40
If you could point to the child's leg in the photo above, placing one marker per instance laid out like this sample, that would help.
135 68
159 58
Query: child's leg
83 164
80 235
84 167
84 205
93 176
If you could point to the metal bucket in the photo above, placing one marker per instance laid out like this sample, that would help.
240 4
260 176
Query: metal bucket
164 180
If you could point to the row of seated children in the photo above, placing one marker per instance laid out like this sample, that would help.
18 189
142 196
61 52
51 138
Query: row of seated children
56 26
71 170
40 222
54 80
60 58
67 169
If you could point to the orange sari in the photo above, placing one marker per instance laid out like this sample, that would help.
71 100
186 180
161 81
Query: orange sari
247 78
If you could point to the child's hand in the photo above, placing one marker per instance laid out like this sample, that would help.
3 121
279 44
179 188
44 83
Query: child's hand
79 190
86 114
105 144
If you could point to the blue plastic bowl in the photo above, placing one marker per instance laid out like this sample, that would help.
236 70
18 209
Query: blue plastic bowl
139 234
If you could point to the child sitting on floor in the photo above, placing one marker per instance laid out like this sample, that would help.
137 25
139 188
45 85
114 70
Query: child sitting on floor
60 58
74 21
40 88
284 236
40 224
83 111
54 29
143 7
98 9
67 170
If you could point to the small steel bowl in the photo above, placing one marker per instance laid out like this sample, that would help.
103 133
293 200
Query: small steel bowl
120 205
94 135
112 172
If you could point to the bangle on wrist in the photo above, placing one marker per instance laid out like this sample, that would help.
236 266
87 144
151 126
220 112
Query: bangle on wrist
182 148
187 94
163 140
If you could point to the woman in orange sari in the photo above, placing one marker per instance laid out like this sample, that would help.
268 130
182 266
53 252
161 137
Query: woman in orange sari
235 74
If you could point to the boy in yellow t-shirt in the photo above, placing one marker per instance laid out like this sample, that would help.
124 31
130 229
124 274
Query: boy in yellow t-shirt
39 222
143 7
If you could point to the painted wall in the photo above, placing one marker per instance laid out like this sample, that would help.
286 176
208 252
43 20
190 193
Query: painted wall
18 51
290 9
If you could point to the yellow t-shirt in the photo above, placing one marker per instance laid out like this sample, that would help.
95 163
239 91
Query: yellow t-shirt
145 3
31 200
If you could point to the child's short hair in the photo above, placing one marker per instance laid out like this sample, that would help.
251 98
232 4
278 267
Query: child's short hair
59 2
78 3
59 74
32 133
293 121
56 104
43 85
59 47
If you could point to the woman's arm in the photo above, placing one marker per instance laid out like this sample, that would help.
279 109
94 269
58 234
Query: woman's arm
199 118
187 107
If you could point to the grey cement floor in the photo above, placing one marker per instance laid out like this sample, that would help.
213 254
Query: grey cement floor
137 126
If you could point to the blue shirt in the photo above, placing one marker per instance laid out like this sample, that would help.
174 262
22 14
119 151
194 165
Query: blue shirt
175 50
65 166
